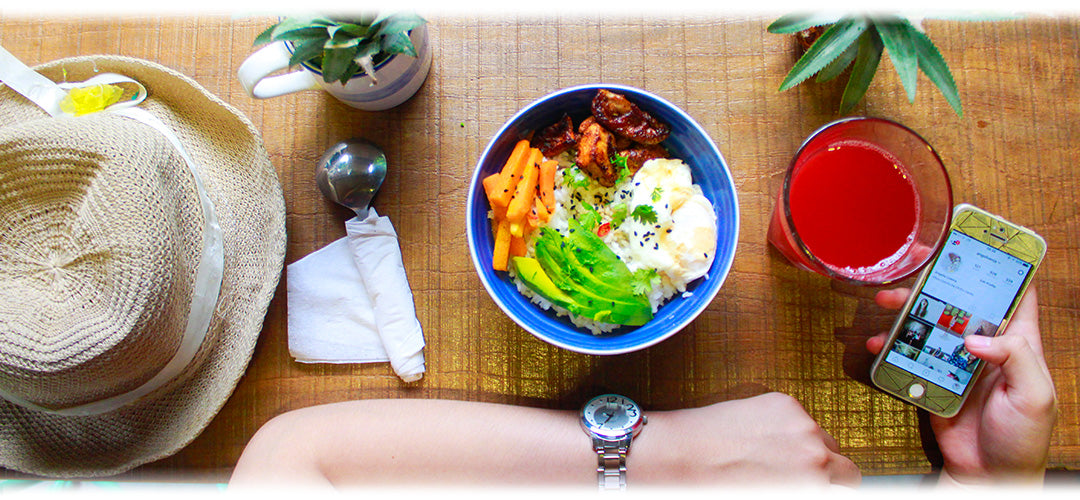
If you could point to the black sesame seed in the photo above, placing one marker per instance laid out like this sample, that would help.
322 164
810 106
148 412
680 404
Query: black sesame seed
669 230
656 246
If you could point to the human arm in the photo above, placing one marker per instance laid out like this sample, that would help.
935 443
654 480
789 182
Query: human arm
1002 433
766 438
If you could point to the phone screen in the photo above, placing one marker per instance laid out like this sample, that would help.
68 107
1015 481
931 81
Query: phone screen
969 290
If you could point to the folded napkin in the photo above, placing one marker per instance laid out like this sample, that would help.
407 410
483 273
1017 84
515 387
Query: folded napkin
350 302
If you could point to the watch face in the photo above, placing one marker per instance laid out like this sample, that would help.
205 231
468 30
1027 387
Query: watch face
611 415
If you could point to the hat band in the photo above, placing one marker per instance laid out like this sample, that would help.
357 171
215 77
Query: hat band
207 285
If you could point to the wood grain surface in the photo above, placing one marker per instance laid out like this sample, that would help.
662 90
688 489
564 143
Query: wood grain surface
771 328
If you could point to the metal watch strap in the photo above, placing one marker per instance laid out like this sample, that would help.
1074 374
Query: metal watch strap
611 463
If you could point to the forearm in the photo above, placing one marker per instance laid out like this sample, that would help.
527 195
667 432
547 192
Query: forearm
416 442
768 438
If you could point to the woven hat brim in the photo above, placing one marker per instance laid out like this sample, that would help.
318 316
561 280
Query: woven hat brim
247 196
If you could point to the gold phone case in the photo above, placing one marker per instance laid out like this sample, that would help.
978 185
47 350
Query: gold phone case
996 232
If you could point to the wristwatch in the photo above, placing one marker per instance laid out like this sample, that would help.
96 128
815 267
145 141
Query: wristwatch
612 421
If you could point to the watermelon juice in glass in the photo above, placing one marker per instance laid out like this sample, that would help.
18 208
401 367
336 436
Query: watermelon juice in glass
865 201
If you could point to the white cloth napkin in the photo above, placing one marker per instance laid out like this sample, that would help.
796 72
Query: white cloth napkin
350 302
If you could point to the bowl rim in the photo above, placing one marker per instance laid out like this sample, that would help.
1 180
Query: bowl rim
671 329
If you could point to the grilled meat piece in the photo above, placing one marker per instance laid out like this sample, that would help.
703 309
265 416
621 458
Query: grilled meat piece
556 138
594 152
623 117
638 154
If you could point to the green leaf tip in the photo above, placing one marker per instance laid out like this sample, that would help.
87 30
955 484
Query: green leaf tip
828 47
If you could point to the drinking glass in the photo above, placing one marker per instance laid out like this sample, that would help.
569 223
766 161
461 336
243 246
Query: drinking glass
865 201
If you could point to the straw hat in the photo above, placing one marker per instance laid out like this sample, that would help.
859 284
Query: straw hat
101 250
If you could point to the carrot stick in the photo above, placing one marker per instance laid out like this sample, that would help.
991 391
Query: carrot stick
501 254
526 188
547 184
510 174
541 210
517 246
490 184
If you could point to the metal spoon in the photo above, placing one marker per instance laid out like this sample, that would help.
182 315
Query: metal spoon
350 173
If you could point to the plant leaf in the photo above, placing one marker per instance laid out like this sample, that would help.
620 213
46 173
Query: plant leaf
794 23
398 43
264 37
298 23
896 35
355 30
862 73
306 50
831 44
397 23
336 59
935 67
836 67
312 32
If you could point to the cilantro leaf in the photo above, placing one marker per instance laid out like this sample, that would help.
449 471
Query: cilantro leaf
576 178
645 214
619 162
618 214
642 282
656 192
590 218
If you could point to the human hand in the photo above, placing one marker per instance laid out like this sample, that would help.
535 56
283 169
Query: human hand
1002 433
767 439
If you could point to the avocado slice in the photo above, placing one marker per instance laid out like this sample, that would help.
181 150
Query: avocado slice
618 307
533 275
537 280
607 274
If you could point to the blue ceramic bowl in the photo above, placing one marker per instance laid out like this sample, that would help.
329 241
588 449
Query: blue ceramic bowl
687 141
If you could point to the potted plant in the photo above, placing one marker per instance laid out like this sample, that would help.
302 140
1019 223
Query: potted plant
834 42
387 52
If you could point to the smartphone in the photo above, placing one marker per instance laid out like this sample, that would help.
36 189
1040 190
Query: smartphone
971 287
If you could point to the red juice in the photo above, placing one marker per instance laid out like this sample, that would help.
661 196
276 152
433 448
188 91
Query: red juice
853 206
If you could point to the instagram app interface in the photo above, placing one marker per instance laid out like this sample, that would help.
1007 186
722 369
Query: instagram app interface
968 292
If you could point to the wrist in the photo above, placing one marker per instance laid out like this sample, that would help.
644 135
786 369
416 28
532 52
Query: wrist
956 480
656 458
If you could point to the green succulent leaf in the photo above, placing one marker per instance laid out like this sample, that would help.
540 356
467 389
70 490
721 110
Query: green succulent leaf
896 35
862 72
355 30
397 23
931 63
398 43
304 50
794 23
337 55
265 37
302 34
838 65
827 48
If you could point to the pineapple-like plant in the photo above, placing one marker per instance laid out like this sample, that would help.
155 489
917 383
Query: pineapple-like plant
342 48
858 41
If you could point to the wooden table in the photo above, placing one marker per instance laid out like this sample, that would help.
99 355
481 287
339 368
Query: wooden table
771 328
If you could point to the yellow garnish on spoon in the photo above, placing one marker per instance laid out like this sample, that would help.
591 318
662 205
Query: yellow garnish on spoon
85 100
